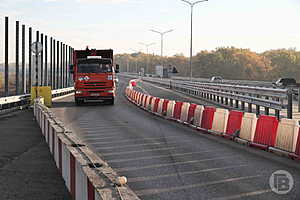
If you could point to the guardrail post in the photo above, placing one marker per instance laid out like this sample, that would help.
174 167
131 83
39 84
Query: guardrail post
290 103
6 72
258 107
267 110
17 58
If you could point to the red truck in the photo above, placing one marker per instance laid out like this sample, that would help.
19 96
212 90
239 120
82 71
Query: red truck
94 75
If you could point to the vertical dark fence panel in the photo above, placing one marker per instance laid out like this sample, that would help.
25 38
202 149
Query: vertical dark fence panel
57 66
46 61
61 65
66 66
37 61
29 60
54 66
17 57
23 61
6 72
42 59
51 63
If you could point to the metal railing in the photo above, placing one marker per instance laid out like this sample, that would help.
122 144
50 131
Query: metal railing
235 96
49 68
24 100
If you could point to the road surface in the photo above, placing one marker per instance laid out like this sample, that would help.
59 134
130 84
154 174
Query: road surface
166 160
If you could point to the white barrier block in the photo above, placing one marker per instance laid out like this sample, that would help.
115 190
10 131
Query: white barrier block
184 112
170 109
66 165
248 126
220 120
287 135
160 106
198 115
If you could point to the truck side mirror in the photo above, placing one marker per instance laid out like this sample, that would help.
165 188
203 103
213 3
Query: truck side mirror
71 68
117 68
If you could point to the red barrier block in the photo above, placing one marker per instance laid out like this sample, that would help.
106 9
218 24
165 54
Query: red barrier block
191 113
265 132
177 110
165 107
133 83
156 104
208 117
150 101
234 122
145 101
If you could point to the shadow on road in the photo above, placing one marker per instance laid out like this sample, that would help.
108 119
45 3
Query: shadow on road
64 104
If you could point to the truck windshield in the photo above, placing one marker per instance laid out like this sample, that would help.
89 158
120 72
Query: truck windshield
94 66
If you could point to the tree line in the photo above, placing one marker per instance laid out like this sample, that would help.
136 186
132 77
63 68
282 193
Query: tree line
227 62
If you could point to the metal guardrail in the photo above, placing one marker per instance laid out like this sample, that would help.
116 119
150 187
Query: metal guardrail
232 96
20 100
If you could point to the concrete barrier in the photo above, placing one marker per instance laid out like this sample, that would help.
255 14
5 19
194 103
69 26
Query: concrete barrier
220 121
86 176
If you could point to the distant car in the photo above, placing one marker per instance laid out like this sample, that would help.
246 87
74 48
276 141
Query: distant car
216 79
284 82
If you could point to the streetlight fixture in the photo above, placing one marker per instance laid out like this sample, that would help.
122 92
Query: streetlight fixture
191 45
162 38
147 48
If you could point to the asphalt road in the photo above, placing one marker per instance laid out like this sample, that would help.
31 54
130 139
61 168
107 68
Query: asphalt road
166 160
27 169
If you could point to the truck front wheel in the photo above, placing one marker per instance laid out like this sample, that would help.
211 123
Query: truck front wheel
78 102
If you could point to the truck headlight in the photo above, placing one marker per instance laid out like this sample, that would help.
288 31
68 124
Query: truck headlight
110 91
78 92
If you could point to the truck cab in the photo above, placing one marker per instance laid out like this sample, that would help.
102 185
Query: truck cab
94 76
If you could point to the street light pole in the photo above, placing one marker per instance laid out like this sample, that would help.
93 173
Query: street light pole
147 48
191 44
161 39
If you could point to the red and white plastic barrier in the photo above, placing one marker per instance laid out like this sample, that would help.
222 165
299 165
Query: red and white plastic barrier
78 165
265 132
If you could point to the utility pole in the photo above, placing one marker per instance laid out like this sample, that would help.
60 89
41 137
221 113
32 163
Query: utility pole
191 42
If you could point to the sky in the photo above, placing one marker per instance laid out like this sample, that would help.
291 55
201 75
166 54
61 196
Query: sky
123 24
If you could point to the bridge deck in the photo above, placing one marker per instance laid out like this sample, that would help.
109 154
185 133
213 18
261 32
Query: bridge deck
165 160
27 170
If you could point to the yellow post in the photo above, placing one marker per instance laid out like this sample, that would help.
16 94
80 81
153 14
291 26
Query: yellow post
42 91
